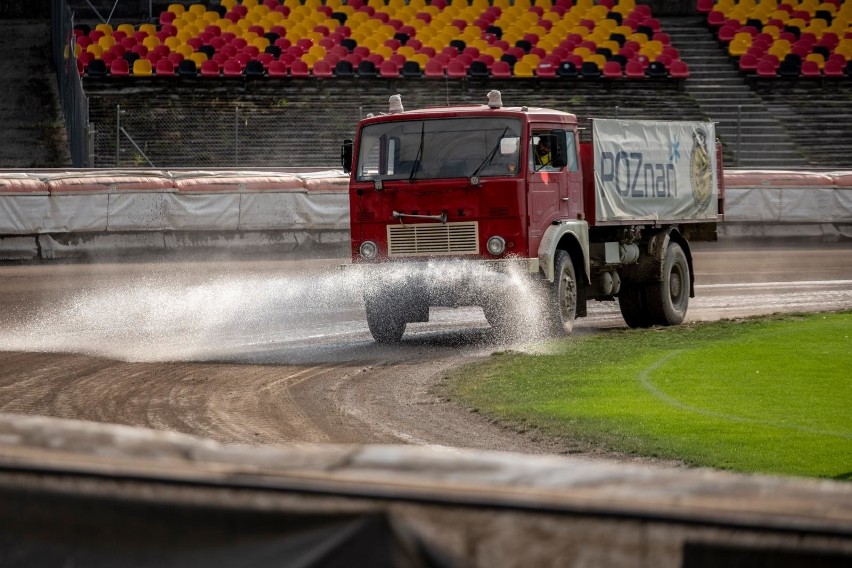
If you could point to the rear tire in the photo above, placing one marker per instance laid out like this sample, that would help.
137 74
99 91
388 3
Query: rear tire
386 324
668 300
562 307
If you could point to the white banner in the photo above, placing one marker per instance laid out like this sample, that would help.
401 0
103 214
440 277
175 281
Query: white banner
654 171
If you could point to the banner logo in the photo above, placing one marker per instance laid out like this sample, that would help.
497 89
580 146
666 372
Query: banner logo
700 172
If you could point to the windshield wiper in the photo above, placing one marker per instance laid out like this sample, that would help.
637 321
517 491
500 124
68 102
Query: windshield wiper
419 155
490 155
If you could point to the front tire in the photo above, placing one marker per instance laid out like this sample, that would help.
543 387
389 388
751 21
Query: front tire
668 300
386 324
562 308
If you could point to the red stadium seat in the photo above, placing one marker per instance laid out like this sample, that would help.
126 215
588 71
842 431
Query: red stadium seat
634 70
501 70
612 70
545 70
165 68
389 70
119 68
766 68
434 68
810 69
322 68
456 69
299 69
679 70
748 63
232 68
210 68
277 69
833 68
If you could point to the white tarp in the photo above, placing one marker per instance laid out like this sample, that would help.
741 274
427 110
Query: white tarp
653 170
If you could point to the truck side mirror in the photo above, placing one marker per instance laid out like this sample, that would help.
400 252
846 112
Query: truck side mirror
559 150
346 156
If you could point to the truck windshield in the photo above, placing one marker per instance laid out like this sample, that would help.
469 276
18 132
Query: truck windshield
439 148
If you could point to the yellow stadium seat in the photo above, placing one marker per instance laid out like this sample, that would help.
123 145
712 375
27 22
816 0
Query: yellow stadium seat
151 42
107 42
127 29
583 52
531 59
780 48
172 42
105 28
249 36
228 4
406 51
817 58
198 57
737 48
523 69
185 50
142 67
249 3
95 50
384 51
261 43
211 17
176 9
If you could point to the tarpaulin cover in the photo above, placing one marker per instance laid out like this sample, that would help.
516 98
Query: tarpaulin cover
653 170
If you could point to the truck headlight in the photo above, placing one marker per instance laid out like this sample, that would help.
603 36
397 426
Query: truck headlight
496 245
369 250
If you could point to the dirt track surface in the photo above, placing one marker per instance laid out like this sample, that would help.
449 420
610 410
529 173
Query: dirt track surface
278 352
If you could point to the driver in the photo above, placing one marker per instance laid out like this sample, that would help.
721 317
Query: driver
542 153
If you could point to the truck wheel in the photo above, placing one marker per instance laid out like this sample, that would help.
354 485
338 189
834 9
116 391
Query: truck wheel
631 300
563 294
385 323
667 300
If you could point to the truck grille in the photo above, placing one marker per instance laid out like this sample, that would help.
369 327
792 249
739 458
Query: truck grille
429 239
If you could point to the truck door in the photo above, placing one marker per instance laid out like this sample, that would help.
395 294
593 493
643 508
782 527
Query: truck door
554 190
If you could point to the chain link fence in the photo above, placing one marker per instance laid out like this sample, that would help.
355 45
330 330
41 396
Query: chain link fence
298 125
72 97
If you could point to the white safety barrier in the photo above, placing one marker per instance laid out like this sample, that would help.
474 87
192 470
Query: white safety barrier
119 209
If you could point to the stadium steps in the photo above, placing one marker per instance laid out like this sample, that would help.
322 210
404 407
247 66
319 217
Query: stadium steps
758 139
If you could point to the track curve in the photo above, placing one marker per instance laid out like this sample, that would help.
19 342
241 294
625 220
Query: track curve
278 352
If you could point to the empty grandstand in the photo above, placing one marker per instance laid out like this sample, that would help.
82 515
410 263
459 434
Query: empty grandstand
280 83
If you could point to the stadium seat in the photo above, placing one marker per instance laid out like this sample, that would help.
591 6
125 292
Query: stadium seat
433 68
478 70
142 68
679 70
523 69
613 70
501 70
567 70
389 70
299 69
322 68
833 68
344 68
187 69
634 70
277 68
766 68
119 68
545 70
656 70
232 68
456 69
367 69
254 69
210 68
590 70
165 68
810 69
411 69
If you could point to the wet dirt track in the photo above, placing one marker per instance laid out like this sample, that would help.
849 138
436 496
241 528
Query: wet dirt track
278 352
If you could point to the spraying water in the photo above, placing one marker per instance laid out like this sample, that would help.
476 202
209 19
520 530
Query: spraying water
173 314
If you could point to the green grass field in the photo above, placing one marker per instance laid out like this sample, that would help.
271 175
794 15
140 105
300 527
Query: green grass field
767 395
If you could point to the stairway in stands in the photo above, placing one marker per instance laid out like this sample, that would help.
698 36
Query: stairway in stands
753 136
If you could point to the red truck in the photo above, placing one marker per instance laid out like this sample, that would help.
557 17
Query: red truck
498 206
